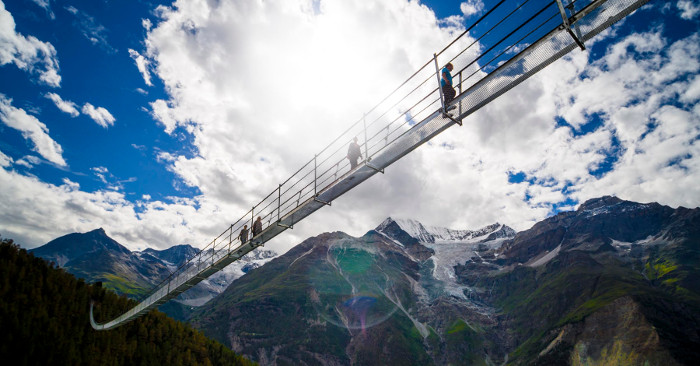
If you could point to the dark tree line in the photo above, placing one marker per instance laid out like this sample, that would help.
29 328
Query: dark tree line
44 320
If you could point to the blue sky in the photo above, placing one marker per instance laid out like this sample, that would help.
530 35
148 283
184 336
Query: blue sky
162 121
92 40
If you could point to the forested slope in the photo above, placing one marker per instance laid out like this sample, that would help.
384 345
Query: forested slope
44 320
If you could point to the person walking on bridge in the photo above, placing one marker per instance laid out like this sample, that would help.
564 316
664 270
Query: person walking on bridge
244 234
354 153
257 227
446 84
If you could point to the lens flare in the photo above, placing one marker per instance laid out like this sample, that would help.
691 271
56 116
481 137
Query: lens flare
349 288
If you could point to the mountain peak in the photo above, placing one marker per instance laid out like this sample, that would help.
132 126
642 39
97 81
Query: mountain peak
432 234
599 202
69 247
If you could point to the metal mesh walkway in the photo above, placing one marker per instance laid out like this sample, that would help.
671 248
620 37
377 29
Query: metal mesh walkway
508 44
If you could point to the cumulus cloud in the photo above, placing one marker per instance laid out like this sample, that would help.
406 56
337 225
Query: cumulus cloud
142 65
99 115
33 130
250 104
623 123
27 52
644 134
64 105
29 161
5 161
689 9
471 7
34 212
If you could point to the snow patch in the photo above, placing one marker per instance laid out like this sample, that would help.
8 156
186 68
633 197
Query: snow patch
392 239
545 258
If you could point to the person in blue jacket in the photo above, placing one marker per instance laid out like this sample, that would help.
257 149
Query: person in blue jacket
446 83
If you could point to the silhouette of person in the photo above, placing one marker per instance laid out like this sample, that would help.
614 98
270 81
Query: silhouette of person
244 234
257 227
446 83
354 153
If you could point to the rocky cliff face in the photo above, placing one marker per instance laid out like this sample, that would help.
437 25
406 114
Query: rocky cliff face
586 287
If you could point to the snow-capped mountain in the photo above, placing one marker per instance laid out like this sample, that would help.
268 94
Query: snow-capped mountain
174 256
449 247
612 278
436 234
217 283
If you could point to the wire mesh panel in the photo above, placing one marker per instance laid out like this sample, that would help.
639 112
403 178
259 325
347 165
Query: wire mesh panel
508 44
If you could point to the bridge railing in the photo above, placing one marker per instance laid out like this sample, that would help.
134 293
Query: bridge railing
494 39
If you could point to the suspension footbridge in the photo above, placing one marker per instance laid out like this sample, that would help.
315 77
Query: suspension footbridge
508 44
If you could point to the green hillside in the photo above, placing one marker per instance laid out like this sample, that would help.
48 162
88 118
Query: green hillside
597 300
44 316
336 304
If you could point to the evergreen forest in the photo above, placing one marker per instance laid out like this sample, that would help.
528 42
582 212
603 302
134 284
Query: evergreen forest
44 320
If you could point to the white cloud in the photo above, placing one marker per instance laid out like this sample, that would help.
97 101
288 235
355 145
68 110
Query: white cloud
692 94
5 161
688 8
27 53
64 105
634 90
34 212
471 7
142 65
260 105
259 110
99 115
32 129
29 161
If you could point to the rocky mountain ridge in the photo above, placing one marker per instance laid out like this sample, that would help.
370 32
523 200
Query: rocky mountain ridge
613 280
96 257
436 234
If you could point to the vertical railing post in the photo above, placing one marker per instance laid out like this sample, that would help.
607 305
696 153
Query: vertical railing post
315 178
437 74
571 5
460 92
230 237
279 201
364 122
252 220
